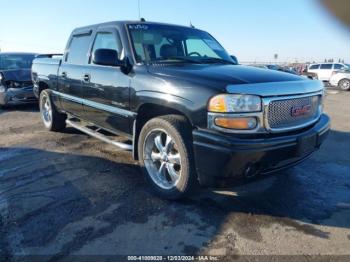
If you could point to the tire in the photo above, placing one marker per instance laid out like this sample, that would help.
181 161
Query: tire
344 84
52 119
168 167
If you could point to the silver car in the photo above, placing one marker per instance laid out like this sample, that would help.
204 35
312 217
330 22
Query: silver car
16 86
341 79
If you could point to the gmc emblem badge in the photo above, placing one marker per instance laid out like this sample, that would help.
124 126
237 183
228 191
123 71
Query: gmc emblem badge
301 110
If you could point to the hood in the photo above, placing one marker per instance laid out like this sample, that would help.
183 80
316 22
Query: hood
17 75
222 74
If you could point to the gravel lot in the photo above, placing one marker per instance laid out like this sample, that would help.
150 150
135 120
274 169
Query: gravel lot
67 193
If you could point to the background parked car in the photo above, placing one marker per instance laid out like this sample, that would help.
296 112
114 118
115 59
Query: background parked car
16 85
259 66
341 79
309 75
325 71
285 69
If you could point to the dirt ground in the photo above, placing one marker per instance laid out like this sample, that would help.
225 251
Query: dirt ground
67 193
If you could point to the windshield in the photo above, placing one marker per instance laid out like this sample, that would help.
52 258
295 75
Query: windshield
172 44
10 62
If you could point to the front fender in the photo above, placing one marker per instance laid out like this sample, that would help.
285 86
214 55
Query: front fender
183 105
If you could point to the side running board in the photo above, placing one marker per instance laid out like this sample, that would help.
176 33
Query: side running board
95 133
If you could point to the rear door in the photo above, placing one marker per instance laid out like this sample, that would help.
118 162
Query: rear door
325 72
106 89
71 73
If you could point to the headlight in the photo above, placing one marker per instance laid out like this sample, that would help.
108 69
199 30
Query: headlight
228 103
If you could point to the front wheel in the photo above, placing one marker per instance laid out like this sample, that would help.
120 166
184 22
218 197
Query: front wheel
52 119
166 156
344 84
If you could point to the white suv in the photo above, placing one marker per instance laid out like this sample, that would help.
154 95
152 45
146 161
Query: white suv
325 71
341 79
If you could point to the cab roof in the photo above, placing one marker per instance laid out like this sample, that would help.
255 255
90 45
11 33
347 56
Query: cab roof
123 23
17 53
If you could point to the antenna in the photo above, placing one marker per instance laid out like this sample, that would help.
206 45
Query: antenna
139 7
191 25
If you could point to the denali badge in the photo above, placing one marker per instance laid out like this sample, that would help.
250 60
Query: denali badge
301 110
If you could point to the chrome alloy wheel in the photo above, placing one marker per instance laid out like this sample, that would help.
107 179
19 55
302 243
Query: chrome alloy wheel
46 111
162 159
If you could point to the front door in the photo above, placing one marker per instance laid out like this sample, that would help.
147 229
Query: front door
106 89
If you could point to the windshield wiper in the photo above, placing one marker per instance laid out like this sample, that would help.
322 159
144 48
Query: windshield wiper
216 61
176 59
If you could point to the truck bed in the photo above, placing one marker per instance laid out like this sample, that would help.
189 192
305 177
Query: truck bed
48 68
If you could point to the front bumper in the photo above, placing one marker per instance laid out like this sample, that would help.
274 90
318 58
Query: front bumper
333 82
221 157
17 96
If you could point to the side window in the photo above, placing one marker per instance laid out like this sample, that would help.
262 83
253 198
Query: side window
78 49
107 40
313 67
338 66
326 66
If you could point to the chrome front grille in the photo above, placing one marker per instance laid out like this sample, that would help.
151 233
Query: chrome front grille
293 113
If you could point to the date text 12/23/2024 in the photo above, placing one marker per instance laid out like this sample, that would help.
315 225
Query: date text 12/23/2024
173 258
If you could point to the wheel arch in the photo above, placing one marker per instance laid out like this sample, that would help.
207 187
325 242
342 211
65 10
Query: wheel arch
345 78
42 86
150 110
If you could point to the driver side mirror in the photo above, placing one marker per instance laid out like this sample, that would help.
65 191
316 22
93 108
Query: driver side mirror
234 58
106 57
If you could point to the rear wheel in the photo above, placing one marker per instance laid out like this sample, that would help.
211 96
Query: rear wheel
52 119
344 84
166 156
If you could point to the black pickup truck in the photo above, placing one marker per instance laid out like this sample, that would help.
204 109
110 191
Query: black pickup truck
190 114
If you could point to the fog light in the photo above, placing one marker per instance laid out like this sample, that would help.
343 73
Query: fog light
244 123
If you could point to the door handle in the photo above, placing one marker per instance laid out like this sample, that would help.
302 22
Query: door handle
86 78
64 74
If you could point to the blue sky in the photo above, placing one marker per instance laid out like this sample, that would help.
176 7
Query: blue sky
253 30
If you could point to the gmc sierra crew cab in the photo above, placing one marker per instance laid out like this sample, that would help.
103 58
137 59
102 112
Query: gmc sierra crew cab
188 112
